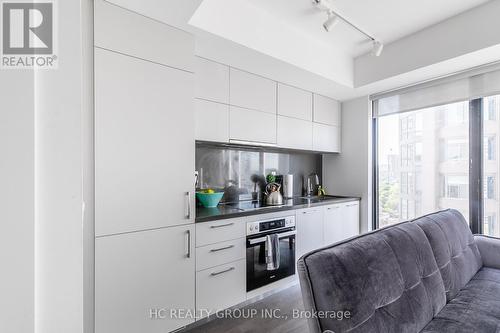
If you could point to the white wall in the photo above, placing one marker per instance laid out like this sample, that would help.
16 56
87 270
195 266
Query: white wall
63 103
45 174
17 202
349 173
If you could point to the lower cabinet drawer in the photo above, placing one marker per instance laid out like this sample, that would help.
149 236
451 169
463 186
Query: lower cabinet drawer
220 253
221 287
219 231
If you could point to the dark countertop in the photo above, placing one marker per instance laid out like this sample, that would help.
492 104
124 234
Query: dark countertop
249 208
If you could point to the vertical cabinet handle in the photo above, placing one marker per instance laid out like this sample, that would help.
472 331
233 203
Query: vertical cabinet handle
188 242
188 205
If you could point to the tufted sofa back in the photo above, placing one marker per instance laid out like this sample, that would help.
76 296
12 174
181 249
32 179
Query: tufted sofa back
389 280
452 242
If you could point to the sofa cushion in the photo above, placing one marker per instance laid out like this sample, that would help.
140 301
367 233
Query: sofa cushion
476 308
452 242
388 280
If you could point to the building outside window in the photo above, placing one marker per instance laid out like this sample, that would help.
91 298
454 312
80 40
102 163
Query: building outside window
429 179
490 187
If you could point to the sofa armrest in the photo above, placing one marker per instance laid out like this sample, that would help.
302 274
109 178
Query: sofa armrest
489 248
307 295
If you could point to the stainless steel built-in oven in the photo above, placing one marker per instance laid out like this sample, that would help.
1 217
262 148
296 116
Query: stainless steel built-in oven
267 241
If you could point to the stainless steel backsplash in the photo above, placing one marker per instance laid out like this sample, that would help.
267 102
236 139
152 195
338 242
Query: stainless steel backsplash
239 171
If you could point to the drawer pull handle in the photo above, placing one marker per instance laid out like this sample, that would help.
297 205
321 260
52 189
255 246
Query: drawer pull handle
222 248
222 272
188 242
221 225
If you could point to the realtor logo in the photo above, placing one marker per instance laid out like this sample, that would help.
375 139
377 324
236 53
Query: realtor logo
28 35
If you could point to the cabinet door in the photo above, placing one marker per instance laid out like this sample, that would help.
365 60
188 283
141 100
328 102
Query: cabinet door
294 102
140 276
144 144
124 31
294 133
252 91
326 138
211 81
326 110
341 222
309 230
211 121
333 224
352 219
251 125
221 287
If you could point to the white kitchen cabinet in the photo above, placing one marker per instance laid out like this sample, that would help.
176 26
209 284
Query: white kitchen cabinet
126 32
295 133
251 91
211 121
326 110
294 102
211 80
220 253
144 145
352 219
309 230
251 125
221 287
139 273
341 222
326 138
219 231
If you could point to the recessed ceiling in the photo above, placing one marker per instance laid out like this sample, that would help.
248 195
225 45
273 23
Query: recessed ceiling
387 20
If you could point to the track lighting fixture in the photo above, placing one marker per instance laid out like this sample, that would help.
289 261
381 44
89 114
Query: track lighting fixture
377 49
334 18
331 22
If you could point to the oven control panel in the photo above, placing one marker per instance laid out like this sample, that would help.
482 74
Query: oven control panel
258 227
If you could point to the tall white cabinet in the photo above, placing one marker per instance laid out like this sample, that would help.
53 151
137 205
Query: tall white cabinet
144 172
144 145
140 276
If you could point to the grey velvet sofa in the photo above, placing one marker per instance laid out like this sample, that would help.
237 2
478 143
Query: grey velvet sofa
426 275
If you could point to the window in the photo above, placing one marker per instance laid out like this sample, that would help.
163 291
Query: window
433 172
491 166
490 227
490 187
457 187
444 152
491 111
491 148
455 149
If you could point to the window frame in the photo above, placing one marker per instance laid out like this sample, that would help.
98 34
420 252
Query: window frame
476 140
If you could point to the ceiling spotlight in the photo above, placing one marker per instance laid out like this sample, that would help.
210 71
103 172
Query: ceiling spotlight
321 4
377 49
332 21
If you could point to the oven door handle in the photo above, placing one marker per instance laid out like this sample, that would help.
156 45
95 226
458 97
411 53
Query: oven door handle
263 239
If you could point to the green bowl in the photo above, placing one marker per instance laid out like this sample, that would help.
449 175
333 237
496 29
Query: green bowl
209 200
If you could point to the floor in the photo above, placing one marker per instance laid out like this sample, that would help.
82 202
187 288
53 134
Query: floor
283 303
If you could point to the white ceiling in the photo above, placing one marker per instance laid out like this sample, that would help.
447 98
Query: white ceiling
284 39
386 20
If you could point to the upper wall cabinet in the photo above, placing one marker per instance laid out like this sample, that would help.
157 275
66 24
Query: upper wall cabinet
253 126
294 102
123 31
326 138
326 110
294 133
211 81
252 91
211 121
